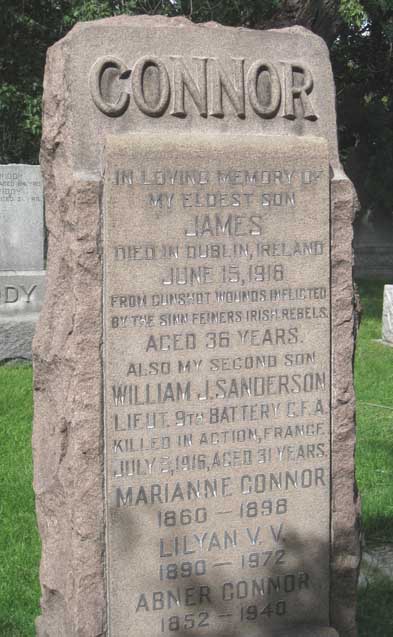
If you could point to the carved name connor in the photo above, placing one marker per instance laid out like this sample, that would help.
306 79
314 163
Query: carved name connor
157 86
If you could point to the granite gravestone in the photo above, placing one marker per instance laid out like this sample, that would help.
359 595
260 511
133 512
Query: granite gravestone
22 278
387 318
193 363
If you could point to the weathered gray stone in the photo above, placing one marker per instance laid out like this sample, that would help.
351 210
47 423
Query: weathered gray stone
387 318
91 102
21 218
21 298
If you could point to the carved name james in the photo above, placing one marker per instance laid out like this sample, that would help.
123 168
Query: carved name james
156 86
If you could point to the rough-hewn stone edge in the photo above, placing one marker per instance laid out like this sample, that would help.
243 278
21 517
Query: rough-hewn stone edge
345 549
143 21
67 437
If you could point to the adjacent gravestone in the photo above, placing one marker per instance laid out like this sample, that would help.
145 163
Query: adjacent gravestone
373 251
387 318
194 427
22 278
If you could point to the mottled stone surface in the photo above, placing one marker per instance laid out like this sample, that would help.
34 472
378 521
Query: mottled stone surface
21 218
387 317
68 431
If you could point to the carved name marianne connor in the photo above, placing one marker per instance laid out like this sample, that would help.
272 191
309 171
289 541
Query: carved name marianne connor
156 85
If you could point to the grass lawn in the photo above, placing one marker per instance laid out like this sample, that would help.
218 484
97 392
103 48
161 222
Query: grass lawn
374 392
374 457
19 541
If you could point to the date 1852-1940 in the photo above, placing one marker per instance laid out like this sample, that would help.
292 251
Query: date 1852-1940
251 613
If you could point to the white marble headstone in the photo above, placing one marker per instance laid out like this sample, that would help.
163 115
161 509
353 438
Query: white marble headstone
387 321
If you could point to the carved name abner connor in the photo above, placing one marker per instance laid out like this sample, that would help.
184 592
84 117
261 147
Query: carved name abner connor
210 86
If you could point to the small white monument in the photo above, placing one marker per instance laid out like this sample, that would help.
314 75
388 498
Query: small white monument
387 317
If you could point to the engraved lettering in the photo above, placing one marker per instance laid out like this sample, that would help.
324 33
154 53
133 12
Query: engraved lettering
214 86
266 108
298 90
234 89
158 78
182 80
97 73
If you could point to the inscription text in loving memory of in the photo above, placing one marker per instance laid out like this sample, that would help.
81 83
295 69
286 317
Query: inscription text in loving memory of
216 384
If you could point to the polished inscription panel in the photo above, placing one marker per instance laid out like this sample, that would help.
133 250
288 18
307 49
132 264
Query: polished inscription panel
216 384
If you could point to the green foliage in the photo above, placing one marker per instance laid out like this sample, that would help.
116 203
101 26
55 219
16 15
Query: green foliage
32 111
235 12
352 12
26 28
363 67
87 10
